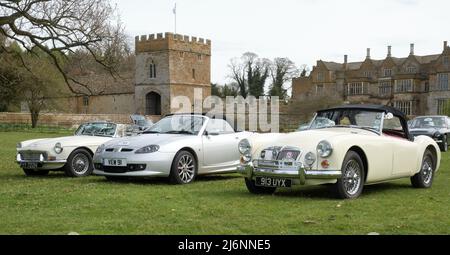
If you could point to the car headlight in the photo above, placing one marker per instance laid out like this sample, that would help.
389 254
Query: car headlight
148 149
244 147
19 145
324 149
310 158
100 148
437 134
58 148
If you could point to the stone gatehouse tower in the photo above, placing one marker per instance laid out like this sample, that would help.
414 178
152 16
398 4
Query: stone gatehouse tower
170 65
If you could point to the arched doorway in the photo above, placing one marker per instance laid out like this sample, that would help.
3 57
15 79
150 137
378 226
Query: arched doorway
153 104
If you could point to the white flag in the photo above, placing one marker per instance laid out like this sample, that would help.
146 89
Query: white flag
175 9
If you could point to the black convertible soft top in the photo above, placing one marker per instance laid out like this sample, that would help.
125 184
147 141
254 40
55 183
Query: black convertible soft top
370 107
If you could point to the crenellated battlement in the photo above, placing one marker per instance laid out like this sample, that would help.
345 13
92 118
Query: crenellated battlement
169 36
170 41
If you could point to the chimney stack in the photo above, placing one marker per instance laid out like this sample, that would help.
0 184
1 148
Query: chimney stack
368 53
389 51
411 52
445 45
345 59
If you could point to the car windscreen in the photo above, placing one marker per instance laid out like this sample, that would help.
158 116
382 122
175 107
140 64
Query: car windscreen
97 129
348 117
429 122
178 124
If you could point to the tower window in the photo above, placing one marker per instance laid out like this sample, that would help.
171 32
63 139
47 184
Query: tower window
152 70
86 101
193 74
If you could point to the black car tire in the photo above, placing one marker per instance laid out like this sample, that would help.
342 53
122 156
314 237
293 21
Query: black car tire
258 190
31 172
184 168
352 172
422 180
79 164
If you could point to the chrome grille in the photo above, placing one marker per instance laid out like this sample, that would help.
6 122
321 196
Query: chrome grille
281 153
32 155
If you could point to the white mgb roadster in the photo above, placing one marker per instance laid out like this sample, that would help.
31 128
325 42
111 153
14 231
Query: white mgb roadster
71 154
179 146
360 144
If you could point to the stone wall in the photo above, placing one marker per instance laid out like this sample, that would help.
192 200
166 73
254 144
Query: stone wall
66 120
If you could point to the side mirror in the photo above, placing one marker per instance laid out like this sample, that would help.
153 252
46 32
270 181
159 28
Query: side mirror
389 116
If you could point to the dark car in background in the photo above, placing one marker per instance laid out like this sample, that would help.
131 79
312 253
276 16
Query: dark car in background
436 127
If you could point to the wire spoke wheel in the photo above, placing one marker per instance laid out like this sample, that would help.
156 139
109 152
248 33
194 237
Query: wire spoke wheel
427 170
352 177
80 163
424 178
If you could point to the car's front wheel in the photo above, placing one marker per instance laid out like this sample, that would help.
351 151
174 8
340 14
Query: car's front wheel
351 183
79 164
184 168
251 186
31 172
424 178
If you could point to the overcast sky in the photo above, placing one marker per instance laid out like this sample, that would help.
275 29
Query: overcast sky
302 30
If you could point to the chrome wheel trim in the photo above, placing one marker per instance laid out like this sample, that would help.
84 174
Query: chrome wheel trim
80 163
427 170
186 168
352 177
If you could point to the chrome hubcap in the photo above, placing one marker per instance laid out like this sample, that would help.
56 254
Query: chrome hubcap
427 170
80 164
352 177
186 168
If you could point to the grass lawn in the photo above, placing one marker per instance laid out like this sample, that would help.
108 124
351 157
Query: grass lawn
212 205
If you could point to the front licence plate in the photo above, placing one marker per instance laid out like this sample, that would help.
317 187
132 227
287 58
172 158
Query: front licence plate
273 182
115 162
29 165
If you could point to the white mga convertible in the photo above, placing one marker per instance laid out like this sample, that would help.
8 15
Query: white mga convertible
358 145
71 154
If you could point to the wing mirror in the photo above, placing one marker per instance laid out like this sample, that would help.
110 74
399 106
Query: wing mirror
389 116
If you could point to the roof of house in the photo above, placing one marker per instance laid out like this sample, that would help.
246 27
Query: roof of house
333 66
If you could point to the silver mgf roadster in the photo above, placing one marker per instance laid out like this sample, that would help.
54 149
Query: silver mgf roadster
178 146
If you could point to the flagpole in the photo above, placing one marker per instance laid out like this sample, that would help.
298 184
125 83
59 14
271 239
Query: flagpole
175 16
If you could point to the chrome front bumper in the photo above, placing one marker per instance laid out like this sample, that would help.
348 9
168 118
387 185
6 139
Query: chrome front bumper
42 164
287 170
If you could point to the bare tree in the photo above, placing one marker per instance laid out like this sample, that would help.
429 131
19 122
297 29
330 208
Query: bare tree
282 72
304 70
250 74
238 75
58 27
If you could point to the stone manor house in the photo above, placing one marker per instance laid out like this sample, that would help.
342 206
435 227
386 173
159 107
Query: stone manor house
417 85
